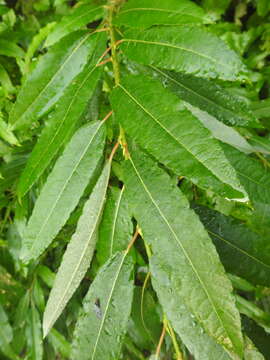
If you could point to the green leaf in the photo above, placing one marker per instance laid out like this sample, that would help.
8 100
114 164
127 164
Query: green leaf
251 352
79 17
6 335
161 124
63 120
53 73
34 335
78 254
222 132
216 7
106 309
254 177
6 133
8 48
63 189
261 108
189 49
116 227
145 13
60 343
183 249
210 97
242 251
5 80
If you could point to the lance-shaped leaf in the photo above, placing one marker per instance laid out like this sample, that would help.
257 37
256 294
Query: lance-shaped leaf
198 342
34 334
242 251
184 250
102 325
160 123
261 108
63 120
78 17
78 255
8 48
189 49
145 13
63 189
210 97
254 177
116 226
52 75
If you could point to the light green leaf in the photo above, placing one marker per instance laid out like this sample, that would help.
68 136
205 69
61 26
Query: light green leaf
6 132
242 251
9 48
162 125
5 80
78 254
216 7
261 108
183 249
59 343
116 227
222 132
53 73
63 120
106 309
78 18
145 13
210 97
63 189
189 49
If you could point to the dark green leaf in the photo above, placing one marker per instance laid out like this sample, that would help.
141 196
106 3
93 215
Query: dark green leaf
183 251
63 189
172 134
210 97
102 325
116 227
242 251
189 49
145 13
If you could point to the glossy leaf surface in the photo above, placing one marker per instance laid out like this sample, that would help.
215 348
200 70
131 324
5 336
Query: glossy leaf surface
189 49
172 134
179 241
106 309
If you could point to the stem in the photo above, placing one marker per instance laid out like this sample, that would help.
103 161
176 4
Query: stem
115 63
132 241
161 339
174 341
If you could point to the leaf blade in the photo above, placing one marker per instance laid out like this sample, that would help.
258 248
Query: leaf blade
138 106
78 254
90 333
152 195
63 188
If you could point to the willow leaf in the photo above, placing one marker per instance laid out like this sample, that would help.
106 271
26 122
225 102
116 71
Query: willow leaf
160 123
254 177
106 309
63 189
116 226
182 245
210 97
79 16
189 49
51 76
34 336
145 13
78 255
63 120
242 251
